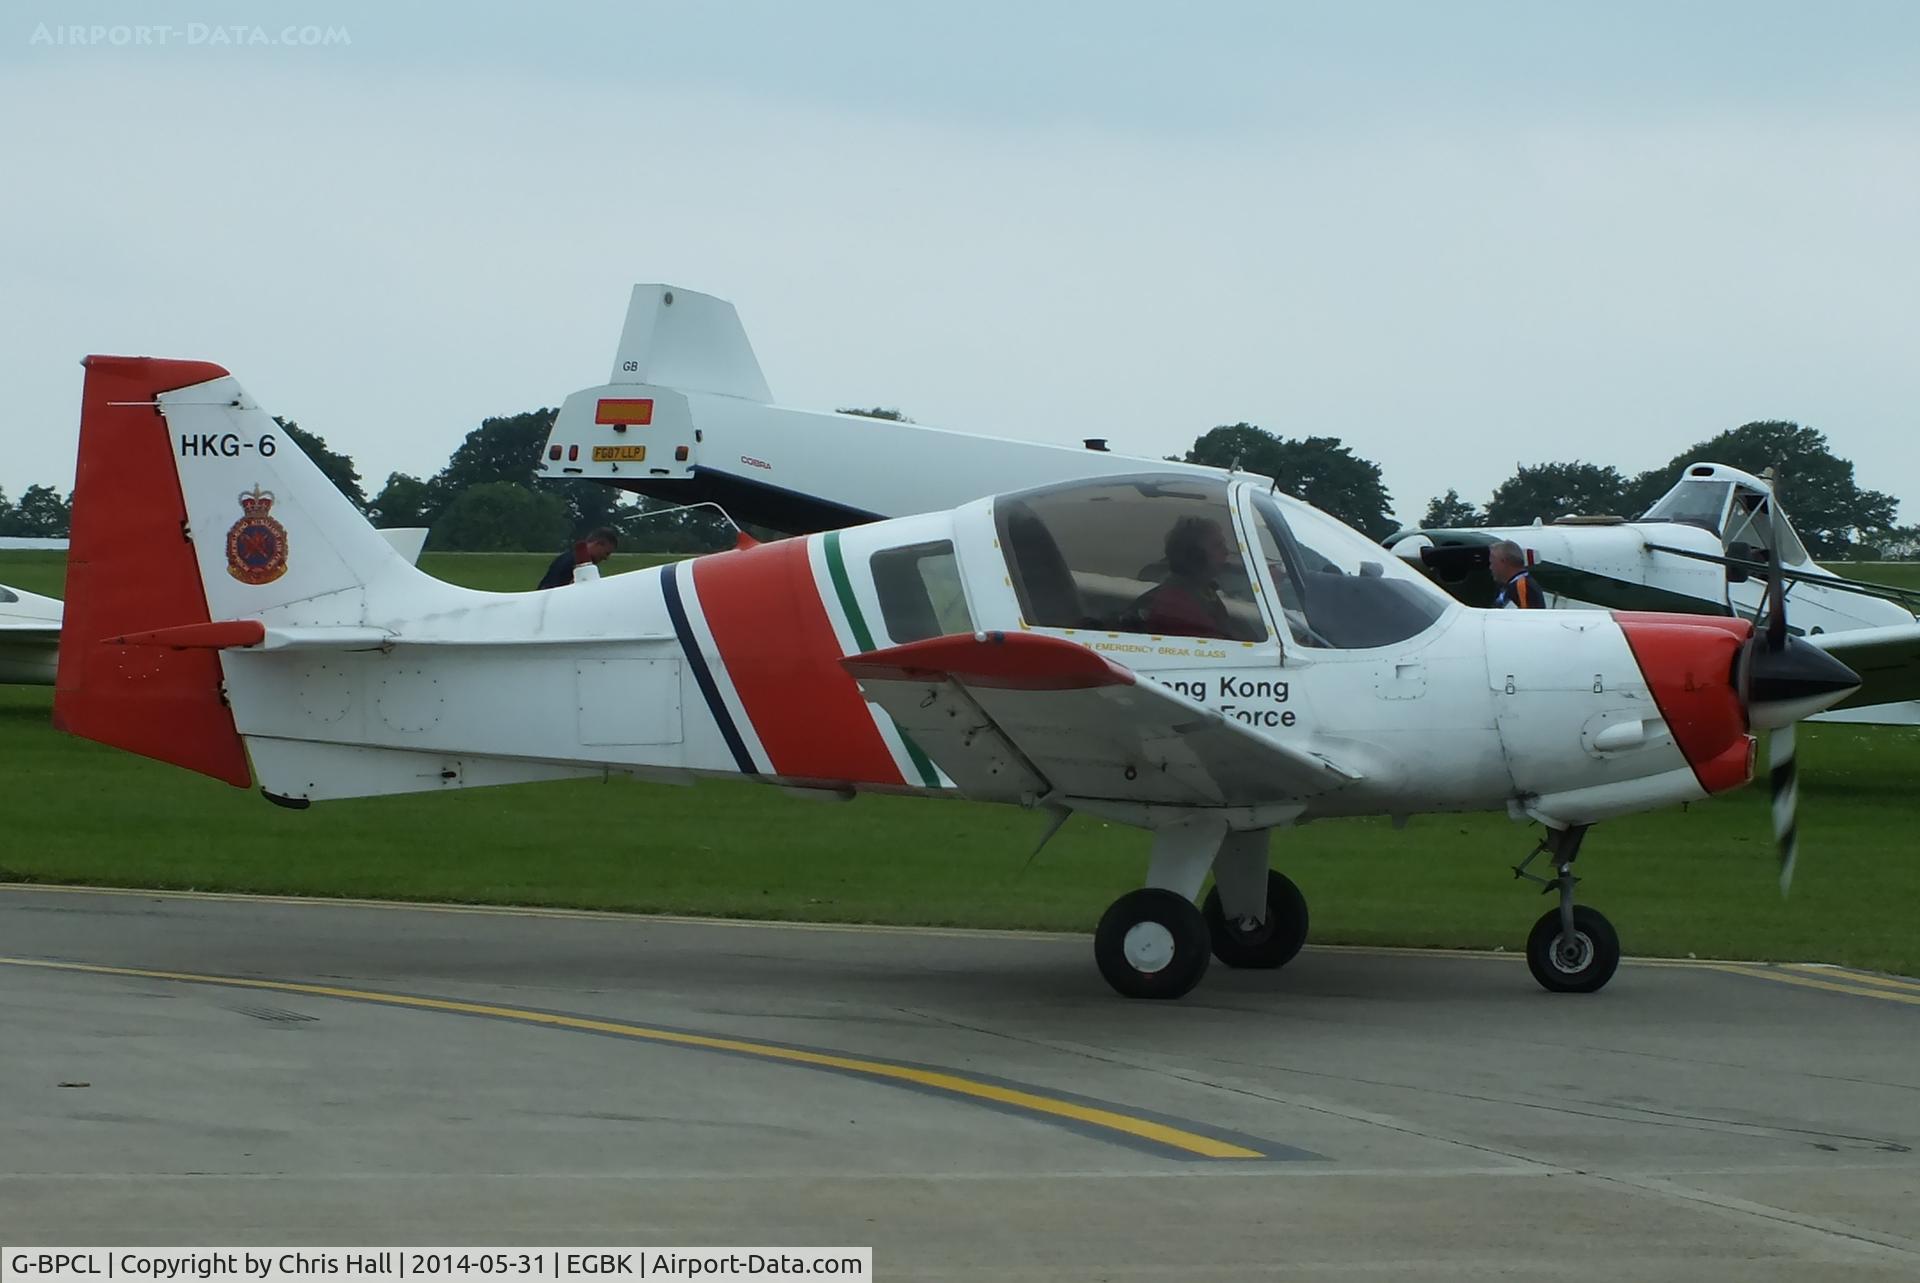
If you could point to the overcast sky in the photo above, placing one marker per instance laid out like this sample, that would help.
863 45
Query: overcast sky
1458 236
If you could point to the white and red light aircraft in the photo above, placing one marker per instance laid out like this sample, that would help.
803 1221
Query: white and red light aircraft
1183 651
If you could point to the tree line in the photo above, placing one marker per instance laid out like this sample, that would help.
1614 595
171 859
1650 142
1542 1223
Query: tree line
1834 514
488 499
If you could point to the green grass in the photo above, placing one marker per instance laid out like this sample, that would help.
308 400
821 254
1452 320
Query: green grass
518 571
1695 881
41 572
1894 574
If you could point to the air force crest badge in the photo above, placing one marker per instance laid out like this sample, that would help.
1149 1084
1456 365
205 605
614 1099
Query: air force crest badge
257 544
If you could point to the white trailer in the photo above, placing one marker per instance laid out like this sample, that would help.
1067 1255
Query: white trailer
686 417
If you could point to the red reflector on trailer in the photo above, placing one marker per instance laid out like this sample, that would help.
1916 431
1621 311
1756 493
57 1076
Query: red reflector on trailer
573 452
638 410
553 452
680 454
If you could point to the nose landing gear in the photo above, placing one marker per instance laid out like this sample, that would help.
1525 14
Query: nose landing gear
1571 949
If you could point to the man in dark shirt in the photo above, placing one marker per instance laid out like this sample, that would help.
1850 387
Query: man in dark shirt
1188 603
1517 589
582 561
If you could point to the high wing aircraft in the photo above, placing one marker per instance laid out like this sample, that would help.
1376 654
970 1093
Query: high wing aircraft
1706 548
30 623
1189 653
29 636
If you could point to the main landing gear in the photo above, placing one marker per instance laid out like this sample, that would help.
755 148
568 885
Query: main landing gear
1571 949
1153 943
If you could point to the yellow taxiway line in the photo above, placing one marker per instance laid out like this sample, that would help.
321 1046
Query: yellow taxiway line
1858 984
1090 1117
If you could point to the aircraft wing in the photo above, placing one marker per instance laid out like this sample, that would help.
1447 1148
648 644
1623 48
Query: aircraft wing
29 637
1887 659
1023 716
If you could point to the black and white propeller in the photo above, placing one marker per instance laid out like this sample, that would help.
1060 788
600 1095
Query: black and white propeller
1783 679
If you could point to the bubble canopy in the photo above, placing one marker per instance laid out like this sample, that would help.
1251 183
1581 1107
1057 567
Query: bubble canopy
1164 555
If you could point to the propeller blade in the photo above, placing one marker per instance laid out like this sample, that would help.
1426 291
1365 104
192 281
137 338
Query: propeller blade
1785 779
1776 582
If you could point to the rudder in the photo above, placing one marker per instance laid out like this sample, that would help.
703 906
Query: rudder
131 568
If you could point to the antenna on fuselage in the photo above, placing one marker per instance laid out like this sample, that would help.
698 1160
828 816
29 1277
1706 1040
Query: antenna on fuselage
741 539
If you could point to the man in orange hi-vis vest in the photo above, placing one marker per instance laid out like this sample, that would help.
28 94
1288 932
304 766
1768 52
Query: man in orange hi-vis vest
1517 589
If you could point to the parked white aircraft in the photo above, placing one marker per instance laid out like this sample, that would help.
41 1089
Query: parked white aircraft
1178 650
29 636
1702 549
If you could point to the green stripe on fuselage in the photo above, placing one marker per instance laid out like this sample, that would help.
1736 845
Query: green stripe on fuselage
863 638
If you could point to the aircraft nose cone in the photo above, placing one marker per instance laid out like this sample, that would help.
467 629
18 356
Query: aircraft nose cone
1787 685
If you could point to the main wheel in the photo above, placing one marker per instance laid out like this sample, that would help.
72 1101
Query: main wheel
1272 943
1151 944
1580 965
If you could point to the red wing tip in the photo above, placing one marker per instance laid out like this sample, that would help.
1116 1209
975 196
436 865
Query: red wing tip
1016 662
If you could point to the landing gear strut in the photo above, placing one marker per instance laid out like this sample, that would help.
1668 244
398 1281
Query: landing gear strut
1153 943
1250 941
1571 949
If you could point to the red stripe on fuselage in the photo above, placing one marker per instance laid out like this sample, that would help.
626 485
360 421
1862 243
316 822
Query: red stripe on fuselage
778 645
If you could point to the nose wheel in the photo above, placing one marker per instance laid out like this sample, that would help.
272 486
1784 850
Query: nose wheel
1571 949
1577 962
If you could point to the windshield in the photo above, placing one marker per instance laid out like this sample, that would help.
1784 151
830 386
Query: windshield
1749 524
1337 589
1696 503
1154 555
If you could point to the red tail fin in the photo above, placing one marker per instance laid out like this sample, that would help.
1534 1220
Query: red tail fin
131 569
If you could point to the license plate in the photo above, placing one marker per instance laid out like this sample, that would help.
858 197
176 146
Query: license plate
619 454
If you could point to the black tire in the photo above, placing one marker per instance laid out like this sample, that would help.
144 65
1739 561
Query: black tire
1159 964
1271 944
1587 966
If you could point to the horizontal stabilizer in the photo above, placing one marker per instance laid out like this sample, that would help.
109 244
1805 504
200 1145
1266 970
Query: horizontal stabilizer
251 634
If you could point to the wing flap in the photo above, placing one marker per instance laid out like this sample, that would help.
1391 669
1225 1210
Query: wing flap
1027 716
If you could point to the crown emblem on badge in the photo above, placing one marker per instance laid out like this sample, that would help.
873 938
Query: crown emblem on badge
257 543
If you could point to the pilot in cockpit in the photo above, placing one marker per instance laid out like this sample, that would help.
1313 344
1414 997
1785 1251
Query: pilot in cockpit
1188 603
